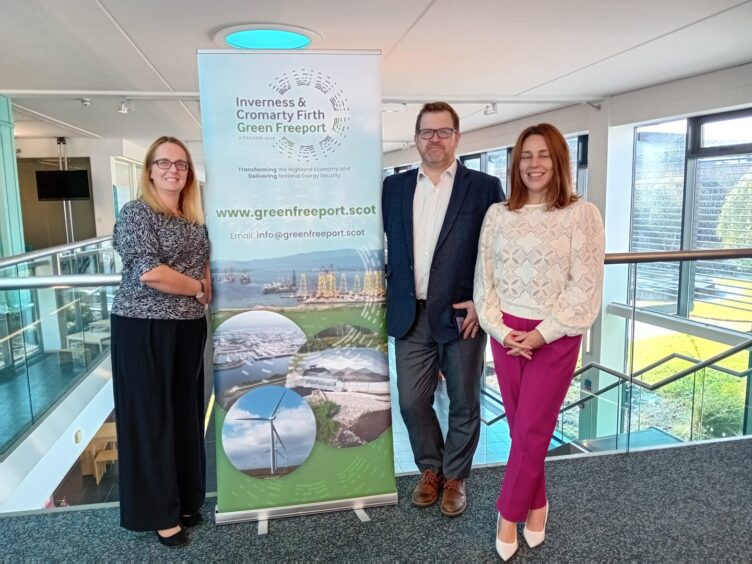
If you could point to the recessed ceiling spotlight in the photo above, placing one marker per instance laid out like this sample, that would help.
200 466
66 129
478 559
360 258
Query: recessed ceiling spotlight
124 107
85 102
265 36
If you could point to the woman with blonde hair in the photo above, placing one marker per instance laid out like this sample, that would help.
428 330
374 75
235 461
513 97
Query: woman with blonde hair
538 284
158 337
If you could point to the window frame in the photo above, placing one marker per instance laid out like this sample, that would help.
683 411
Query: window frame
694 152
694 135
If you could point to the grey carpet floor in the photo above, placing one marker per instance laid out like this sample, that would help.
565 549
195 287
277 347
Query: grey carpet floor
687 504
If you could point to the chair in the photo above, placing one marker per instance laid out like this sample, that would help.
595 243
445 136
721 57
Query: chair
65 358
101 460
79 352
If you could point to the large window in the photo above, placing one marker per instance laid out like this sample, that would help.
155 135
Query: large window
657 194
692 189
719 187
125 178
473 162
496 163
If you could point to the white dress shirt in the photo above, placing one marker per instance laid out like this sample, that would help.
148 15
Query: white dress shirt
429 208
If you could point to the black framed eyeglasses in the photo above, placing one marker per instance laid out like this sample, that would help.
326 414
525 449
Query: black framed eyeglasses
443 133
166 164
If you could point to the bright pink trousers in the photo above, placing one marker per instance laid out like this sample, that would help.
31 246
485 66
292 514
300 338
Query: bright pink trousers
533 392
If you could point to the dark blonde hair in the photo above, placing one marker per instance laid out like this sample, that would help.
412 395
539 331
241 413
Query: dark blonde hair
435 107
559 192
189 203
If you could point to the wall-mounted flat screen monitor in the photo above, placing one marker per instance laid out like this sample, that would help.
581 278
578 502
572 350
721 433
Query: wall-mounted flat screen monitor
62 184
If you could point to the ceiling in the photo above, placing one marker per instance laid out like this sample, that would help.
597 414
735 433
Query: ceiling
532 56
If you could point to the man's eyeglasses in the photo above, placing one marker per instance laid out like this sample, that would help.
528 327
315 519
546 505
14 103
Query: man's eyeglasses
443 133
166 164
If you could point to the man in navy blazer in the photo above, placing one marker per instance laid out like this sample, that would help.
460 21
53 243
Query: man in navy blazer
432 219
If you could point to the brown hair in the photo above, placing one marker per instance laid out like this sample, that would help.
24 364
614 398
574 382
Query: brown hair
189 203
438 107
559 191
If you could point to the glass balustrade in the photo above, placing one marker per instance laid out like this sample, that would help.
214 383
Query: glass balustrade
591 414
50 337
653 371
657 371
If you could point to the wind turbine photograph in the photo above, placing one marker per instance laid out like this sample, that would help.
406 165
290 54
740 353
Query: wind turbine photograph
269 432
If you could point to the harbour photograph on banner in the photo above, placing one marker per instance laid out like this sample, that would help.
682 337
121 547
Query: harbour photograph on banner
292 144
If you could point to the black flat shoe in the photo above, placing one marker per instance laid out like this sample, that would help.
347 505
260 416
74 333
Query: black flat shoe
178 539
191 520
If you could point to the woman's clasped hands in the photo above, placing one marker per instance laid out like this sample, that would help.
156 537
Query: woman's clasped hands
523 343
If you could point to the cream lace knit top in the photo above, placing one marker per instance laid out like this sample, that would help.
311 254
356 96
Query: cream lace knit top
540 264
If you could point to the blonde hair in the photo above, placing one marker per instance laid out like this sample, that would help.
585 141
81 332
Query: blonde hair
189 202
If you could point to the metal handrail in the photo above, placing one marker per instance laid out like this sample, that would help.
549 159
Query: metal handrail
709 363
63 281
704 364
50 251
114 279
673 256
652 387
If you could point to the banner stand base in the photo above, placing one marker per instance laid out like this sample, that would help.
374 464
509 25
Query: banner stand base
305 509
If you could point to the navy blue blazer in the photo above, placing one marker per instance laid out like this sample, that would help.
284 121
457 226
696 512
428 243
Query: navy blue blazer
453 263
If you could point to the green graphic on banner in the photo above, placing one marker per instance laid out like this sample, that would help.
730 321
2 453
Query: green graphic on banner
292 143
328 474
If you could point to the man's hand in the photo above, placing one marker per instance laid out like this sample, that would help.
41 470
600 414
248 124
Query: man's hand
470 325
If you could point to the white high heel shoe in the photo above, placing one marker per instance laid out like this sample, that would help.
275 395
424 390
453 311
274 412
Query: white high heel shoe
505 549
536 538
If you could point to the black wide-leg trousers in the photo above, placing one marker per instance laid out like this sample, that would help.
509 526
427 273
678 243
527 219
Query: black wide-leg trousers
158 381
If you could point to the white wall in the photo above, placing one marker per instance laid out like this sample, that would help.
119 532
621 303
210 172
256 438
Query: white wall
99 151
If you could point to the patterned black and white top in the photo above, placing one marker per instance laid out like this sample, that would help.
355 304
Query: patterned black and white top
144 239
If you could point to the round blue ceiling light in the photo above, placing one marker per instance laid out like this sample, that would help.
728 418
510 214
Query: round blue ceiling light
267 39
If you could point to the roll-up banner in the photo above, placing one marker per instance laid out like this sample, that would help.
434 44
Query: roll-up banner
292 142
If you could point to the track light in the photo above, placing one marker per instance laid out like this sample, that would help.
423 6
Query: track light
125 107
491 109
394 107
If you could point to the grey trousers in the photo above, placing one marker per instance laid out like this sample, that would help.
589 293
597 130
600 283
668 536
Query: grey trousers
418 360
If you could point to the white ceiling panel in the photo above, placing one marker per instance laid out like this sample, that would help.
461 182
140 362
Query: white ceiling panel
68 45
696 49
474 52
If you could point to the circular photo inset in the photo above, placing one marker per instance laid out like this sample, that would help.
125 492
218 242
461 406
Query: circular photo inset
269 432
253 349
348 388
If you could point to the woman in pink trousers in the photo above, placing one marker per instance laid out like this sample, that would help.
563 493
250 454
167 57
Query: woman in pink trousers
538 284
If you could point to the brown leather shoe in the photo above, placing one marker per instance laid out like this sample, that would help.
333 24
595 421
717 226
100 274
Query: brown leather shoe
454 500
427 491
